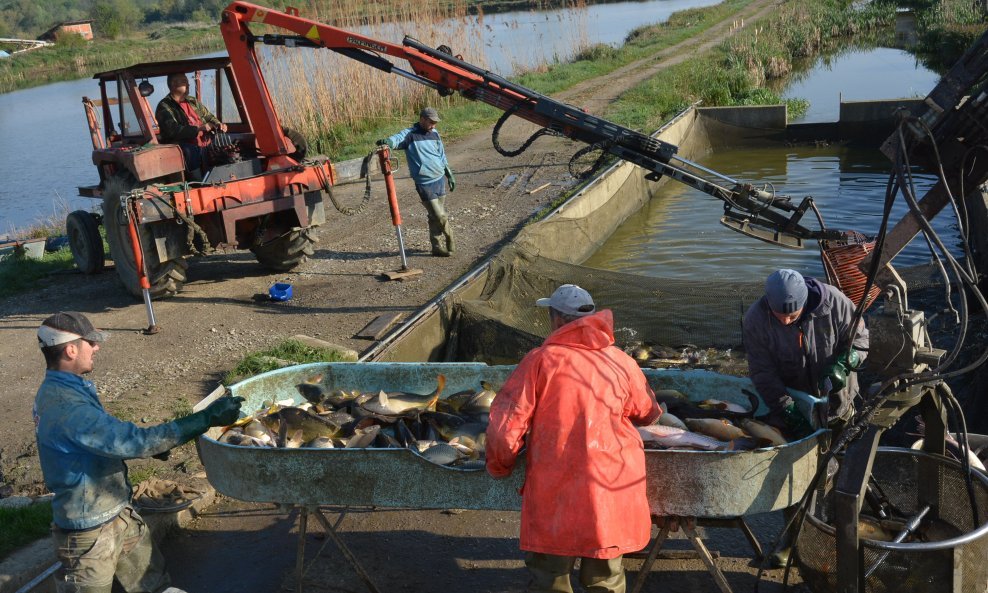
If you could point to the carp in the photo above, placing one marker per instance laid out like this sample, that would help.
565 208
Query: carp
760 430
399 402
718 429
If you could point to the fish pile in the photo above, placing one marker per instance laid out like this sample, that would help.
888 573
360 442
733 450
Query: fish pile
447 431
688 356
708 425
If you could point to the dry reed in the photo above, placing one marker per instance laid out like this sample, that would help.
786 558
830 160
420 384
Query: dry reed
329 97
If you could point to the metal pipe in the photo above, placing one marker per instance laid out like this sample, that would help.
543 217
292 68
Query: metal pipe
704 169
384 157
138 249
909 528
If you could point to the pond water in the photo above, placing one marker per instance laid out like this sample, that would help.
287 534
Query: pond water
858 75
44 141
678 234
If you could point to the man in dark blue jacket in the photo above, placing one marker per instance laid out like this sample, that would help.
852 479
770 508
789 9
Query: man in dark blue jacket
98 536
793 338
430 171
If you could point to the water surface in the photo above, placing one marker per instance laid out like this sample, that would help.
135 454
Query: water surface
678 234
45 150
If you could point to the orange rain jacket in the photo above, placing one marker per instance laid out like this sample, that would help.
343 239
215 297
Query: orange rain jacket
574 402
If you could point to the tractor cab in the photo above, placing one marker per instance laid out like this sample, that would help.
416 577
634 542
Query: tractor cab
125 134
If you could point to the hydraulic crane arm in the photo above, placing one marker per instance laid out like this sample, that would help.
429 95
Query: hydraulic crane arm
752 211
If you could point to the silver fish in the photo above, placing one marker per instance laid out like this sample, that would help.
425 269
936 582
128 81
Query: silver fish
669 436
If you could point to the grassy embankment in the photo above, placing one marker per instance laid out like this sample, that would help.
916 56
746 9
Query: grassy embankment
69 61
19 527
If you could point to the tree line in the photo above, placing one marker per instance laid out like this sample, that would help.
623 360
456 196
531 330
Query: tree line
27 19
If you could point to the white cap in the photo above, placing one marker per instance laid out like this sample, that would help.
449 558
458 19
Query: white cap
569 299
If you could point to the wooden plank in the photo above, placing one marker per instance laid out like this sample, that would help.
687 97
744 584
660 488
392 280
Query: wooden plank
378 327
401 274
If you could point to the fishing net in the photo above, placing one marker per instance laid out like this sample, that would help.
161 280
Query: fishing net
680 322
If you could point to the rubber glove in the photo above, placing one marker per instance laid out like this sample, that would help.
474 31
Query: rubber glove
222 412
383 142
450 179
835 375
786 417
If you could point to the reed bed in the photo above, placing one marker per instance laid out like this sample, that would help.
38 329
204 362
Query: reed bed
334 101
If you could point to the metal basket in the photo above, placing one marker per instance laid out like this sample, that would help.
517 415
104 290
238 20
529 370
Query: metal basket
954 558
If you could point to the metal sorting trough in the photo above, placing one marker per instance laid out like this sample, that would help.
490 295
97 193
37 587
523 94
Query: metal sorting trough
685 483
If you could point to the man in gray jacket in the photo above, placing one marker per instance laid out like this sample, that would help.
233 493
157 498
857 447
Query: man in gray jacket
794 338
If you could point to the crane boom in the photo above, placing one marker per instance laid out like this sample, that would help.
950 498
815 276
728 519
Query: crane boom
749 210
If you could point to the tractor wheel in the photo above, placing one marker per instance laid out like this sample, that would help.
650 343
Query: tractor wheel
85 242
166 278
285 252
301 146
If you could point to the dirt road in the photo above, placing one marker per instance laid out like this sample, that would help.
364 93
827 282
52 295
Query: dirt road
217 319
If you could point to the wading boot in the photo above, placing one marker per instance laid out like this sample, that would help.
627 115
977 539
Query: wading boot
449 239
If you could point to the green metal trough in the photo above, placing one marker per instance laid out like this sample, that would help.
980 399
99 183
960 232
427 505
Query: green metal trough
709 484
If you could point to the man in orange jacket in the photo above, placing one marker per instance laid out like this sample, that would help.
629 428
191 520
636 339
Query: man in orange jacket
574 402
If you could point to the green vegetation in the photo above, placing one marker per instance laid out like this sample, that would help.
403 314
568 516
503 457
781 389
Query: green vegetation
462 117
947 28
136 475
19 275
736 72
19 527
289 351
68 60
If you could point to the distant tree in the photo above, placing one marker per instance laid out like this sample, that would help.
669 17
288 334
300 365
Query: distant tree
114 18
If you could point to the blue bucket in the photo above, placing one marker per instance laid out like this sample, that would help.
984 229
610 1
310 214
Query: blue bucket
280 291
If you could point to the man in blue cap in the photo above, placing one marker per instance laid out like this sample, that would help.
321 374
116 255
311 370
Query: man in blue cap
793 339
430 170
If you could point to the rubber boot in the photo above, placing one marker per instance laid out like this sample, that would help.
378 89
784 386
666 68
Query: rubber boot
438 225
449 239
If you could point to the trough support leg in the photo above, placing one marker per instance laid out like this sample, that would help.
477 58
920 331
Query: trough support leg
652 555
350 558
712 567
303 526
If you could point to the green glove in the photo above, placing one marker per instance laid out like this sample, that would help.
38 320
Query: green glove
383 142
222 412
834 376
796 424
450 179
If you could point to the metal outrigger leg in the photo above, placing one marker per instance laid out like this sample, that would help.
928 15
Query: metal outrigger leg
330 530
689 524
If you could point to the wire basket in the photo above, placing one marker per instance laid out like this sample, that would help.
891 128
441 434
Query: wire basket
952 560
841 260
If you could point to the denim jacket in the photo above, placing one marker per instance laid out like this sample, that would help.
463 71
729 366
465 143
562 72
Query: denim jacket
425 153
82 450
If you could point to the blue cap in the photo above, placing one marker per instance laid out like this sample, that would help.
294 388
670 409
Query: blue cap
785 291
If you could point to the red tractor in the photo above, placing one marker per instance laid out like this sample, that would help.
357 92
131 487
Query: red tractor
157 213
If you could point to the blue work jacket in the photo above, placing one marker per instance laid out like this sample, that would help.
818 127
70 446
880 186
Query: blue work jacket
82 449
425 153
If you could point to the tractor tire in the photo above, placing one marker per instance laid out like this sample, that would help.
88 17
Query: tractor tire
166 278
286 252
301 146
85 242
